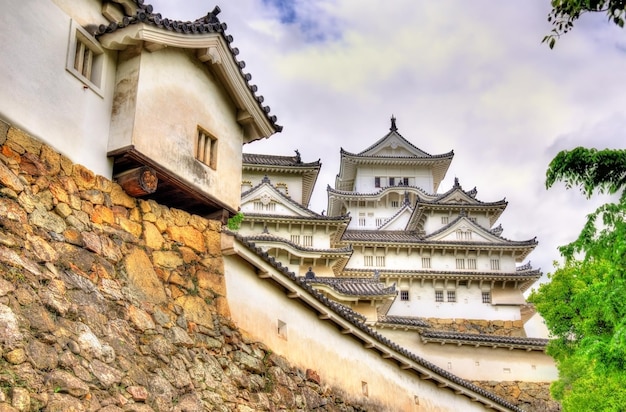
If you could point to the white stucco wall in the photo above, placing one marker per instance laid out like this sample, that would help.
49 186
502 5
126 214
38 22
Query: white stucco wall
257 307
364 181
480 363
38 94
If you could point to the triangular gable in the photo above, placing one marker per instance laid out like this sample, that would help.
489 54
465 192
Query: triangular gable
266 199
399 220
463 229
457 196
393 145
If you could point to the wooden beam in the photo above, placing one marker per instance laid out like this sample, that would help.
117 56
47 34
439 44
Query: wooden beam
139 181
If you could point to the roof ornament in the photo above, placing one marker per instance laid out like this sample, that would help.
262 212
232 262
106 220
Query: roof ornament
463 213
473 192
406 198
265 179
456 182
298 158
309 274
393 127
265 231
376 275
497 230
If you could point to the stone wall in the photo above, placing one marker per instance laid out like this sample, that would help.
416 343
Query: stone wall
528 396
488 327
109 303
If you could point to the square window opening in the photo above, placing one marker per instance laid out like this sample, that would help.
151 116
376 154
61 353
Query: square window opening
85 58
404 295
206 148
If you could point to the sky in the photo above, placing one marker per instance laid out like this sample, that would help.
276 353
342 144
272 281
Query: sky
472 77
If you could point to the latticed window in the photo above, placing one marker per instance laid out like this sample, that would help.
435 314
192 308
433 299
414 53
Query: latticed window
206 149
404 295
445 220
307 240
426 263
395 203
361 219
85 59
463 235
380 261
495 264
471 263
377 181
368 260
460 263
295 239
379 221
486 297
451 296
439 296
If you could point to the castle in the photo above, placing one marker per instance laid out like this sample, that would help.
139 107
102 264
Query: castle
369 294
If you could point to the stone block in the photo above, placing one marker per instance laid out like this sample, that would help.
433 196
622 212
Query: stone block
51 159
196 310
211 281
152 236
22 142
120 198
10 179
83 177
167 259
188 236
142 278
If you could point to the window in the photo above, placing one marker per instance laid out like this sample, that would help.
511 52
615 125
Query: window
282 329
445 220
404 181
380 261
392 181
404 295
377 182
307 240
486 297
495 264
472 219
379 221
295 239
463 235
395 203
206 149
368 260
451 296
460 263
439 296
260 206
426 263
85 58
471 263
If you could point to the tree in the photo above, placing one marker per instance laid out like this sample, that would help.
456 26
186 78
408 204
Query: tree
565 12
584 304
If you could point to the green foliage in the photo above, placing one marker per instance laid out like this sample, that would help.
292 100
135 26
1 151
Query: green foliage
584 303
235 222
565 12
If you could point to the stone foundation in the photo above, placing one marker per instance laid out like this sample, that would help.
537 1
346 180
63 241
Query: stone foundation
528 396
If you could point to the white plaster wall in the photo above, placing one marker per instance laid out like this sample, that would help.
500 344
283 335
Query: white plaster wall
341 361
364 181
480 363
321 239
468 303
535 327
39 96
433 221
175 95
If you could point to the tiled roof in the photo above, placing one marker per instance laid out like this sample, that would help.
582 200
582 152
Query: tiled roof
204 25
403 321
274 160
266 237
358 322
355 286
399 236
481 339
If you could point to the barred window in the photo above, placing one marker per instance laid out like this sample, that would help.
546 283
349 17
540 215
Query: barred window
445 220
295 239
380 261
451 296
471 263
439 296
426 263
404 295
85 59
460 263
495 264
486 297
463 235
307 240
206 149
377 181
395 203
368 260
